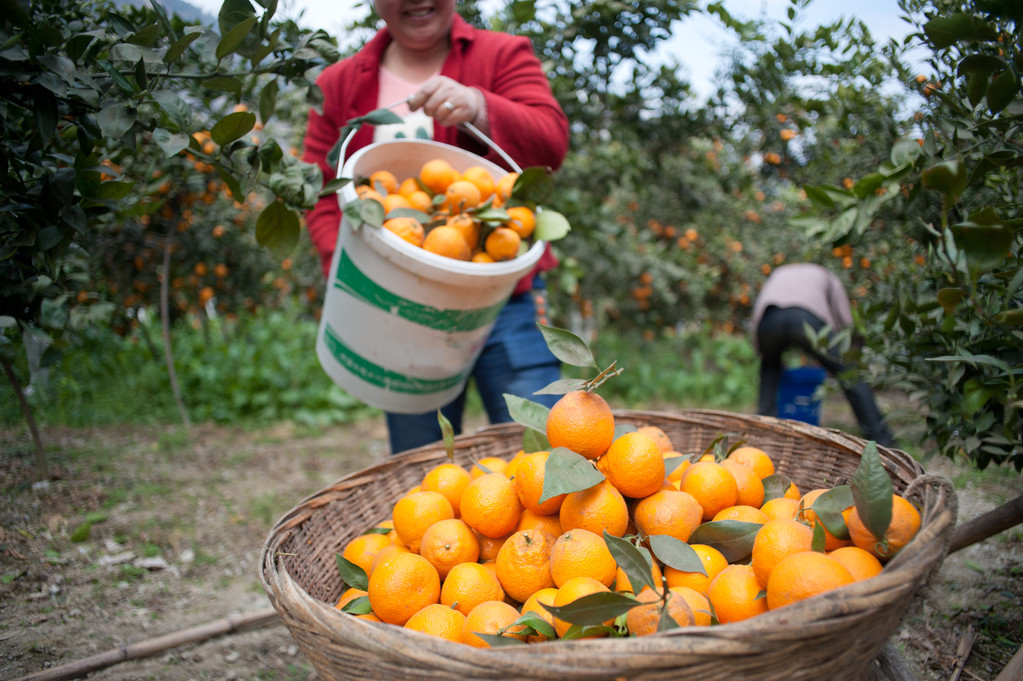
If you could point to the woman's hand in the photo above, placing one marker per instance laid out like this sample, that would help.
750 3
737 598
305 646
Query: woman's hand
447 101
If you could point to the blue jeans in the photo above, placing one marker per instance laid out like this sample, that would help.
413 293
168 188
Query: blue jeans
781 328
515 359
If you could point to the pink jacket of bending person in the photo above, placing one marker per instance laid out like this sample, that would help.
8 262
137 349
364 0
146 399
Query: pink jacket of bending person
811 287
525 119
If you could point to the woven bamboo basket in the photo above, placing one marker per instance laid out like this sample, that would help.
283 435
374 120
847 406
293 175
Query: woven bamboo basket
837 635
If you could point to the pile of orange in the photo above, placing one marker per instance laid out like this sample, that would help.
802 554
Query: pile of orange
481 551
452 213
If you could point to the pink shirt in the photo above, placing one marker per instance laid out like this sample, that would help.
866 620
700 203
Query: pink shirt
811 287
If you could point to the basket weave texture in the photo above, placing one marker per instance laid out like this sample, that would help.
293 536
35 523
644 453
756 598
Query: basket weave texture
836 635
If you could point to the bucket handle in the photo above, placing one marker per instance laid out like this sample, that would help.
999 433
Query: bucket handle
469 127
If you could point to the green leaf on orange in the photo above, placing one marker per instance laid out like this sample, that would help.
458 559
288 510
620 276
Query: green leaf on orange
568 472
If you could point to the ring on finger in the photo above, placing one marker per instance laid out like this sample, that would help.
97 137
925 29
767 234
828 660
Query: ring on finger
448 106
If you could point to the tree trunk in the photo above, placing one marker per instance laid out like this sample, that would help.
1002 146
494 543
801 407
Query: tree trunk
42 465
165 319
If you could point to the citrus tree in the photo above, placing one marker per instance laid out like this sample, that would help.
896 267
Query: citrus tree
88 90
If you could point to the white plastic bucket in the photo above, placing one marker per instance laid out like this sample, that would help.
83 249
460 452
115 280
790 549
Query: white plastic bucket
402 327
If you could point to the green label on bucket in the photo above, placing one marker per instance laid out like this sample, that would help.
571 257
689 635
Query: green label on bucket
355 283
386 379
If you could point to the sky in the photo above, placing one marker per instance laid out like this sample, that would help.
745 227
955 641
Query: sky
698 42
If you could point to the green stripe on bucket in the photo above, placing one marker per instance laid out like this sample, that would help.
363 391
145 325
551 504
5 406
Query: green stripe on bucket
385 378
355 283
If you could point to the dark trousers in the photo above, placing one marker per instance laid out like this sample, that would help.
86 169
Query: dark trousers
514 360
783 328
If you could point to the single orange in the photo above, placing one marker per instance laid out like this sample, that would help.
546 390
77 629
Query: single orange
490 617
489 546
529 479
803 575
408 187
669 512
364 191
533 521
436 175
481 177
522 220
776 540
447 543
482 257
348 596
420 200
713 563
571 591
523 563
698 603
658 434
491 505
781 507
904 525
460 196
860 563
469 584
634 464
447 241
383 181
488 464
409 229
449 479
502 244
643 620
622 582
581 553
736 595
535 604
583 422
743 514
395 201
712 484
438 620
414 513
750 487
505 185
675 469
468 228
363 549
386 552
831 542
755 458
598 508
401 586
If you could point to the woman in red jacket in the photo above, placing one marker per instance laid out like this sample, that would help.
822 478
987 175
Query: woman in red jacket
444 72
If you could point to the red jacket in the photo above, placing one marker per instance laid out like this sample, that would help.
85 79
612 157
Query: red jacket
525 119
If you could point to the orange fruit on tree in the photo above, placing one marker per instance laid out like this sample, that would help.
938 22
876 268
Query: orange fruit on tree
447 543
436 175
535 604
449 479
698 602
529 478
447 241
522 220
750 488
401 586
491 505
438 620
668 512
904 525
386 552
803 575
776 540
571 591
831 542
735 594
461 195
488 464
348 596
468 227
623 583
481 177
533 521
581 553
658 434
489 546
383 180
755 458
743 514
409 229
502 244
712 484
643 620
598 508
713 563
860 563
414 513
583 422
363 549
523 563
490 617
469 584
634 464
781 507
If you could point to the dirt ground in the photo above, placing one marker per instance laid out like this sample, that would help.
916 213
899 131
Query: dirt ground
146 531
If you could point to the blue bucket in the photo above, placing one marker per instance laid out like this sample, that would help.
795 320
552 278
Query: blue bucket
796 394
